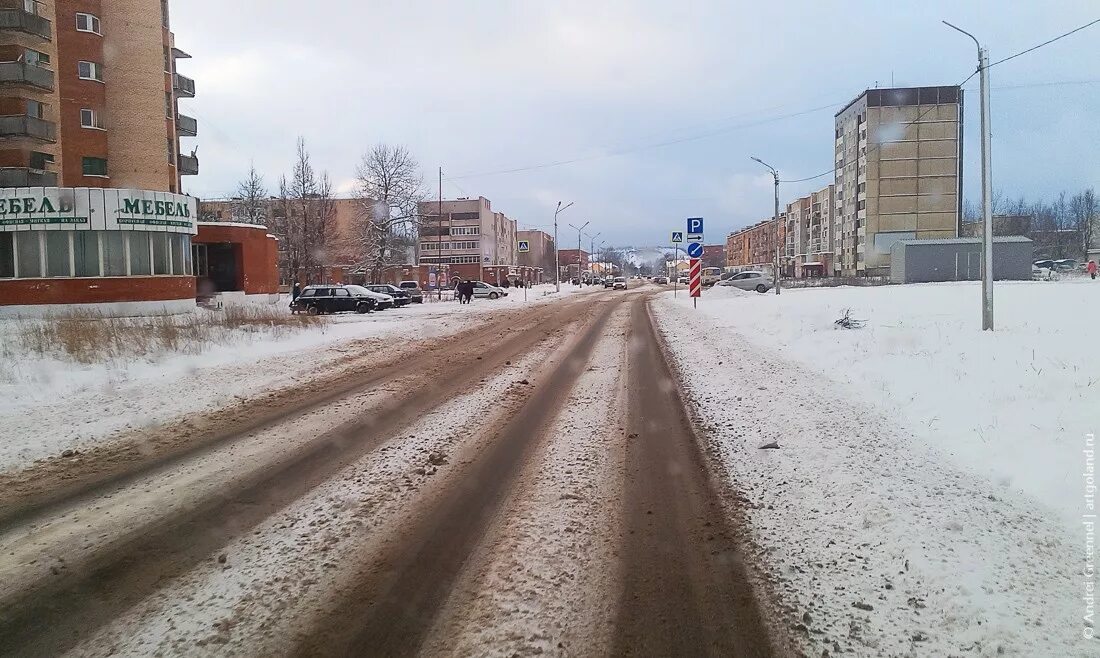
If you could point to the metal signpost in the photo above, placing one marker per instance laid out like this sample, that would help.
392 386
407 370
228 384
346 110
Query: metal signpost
695 255
677 239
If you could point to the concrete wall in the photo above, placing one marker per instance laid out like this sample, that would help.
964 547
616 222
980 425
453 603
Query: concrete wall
916 261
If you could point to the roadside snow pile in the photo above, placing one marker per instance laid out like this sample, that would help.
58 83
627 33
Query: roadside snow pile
927 495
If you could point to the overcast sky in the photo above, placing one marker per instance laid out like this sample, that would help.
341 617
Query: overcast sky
655 106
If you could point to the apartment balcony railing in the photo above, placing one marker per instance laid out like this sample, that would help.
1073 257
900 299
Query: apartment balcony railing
22 73
188 165
20 20
27 177
28 126
186 126
183 85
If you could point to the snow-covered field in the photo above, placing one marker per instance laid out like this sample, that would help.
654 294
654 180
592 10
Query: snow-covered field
49 403
928 492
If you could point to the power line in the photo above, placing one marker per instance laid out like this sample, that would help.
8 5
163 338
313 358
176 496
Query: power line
1045 43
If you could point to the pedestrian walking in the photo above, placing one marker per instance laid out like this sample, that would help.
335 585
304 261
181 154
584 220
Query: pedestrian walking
1091 269
295 292
467 292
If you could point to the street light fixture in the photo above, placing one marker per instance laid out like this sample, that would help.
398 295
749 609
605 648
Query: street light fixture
775 175
987 185
557 250
579 230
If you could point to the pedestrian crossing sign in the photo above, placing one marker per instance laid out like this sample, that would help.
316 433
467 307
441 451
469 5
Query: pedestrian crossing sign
677 237
524 246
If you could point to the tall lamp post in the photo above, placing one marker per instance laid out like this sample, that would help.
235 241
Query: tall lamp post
987 186
775 176
580 229
557 247
592 244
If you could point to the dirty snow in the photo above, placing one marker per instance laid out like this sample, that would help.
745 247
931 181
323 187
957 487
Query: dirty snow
927 495
49 403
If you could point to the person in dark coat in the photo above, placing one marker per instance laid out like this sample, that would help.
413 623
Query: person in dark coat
295 292
468 291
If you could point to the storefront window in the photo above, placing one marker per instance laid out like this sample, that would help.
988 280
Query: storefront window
29 254
7 256
139 254
160 254
114 253
58 262
86 253
187 254
177 242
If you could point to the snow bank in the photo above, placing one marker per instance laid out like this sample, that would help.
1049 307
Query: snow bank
927 495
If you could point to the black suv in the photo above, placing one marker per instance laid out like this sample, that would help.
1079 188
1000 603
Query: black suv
316 300
400 297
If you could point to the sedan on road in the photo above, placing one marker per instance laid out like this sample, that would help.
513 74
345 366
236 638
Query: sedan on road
662 280
751 280
619 283
482 289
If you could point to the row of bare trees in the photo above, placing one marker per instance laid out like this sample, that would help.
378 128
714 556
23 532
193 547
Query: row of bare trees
383 227
1065 227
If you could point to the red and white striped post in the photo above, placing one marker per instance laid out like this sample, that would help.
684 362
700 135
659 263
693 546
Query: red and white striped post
696 280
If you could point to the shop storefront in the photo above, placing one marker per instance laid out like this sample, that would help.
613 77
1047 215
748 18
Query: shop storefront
116 251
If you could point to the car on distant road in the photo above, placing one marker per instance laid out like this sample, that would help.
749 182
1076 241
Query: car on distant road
382 301
619 283
482 289
750 280
662 280
608 282
682 280
318 300
414 290
400 297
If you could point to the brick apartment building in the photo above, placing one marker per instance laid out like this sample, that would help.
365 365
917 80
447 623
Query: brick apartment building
714 255
466 238
541 255
90 164
573 262
754 246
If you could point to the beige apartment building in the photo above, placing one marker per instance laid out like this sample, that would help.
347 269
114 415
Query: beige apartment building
541 254
467 236
808 248
88 96
898 174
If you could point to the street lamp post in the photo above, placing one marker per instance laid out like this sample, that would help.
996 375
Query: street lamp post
987 185
557 247
775 176
592 244
580 229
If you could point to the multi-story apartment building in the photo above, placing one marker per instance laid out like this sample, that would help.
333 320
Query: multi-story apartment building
465 237
90 164
808 247
898 173
88 96
574 262
754 246
541 254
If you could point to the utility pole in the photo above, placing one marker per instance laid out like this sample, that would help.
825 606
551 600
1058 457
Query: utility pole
592 243
439 252
557 248
987 185
579 230
775 176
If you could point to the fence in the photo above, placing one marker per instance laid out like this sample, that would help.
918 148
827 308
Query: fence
835 281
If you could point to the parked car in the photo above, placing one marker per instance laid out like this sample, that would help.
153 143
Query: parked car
317 300
414 290
683 280
1065 265
608 282
663 280
750 280
400 297
619 283
382 301
1044 264
482 289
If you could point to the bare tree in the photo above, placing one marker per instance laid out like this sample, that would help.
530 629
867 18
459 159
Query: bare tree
390 185
1084 211
252 204
303 216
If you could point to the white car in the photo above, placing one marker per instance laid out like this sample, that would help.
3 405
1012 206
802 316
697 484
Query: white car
619 283
482 289
752 280
382 300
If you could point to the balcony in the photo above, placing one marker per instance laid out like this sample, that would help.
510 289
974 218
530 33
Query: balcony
24 74
184 86
26 177
19 20
28 126
188 165
186 126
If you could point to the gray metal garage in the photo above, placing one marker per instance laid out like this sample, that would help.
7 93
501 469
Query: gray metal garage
959 259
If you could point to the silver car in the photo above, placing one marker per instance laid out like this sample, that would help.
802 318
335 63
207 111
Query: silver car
752 280
482 289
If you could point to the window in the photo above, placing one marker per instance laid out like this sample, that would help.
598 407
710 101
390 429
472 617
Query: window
114 253
95 167
7 255
140 265
309 292
160 254
86 253
861 205
36 58
90 119
28 252
87 23
342 292
36 109
466 215
58 256
89 71
39 160
180 246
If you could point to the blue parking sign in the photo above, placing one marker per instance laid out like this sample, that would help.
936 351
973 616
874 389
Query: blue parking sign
695 226
695 250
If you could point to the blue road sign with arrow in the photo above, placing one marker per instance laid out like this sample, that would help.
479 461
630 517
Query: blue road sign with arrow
695 250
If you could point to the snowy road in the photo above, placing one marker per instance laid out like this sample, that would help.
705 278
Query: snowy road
536 490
